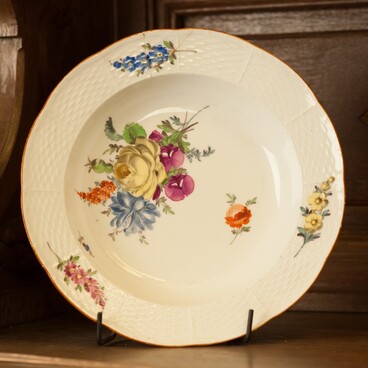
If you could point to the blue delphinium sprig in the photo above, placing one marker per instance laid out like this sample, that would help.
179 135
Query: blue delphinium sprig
153 57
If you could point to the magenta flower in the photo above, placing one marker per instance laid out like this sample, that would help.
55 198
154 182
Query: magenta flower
155 136
171 156
179 186
157 193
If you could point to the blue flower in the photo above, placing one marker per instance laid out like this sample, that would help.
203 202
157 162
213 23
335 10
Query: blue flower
117 64
143 61
131 213
129 63
159 54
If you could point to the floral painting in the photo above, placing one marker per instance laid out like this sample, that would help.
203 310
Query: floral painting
238 215
81 279
151 57
315 213
143 173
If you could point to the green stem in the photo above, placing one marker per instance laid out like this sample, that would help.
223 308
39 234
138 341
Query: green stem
236 235
304 243
198 113
59 259
176 50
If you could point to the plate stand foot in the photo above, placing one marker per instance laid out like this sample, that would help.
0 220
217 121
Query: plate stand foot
248 334
99 339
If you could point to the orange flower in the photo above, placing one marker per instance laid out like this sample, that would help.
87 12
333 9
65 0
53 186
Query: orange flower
238 215
99 194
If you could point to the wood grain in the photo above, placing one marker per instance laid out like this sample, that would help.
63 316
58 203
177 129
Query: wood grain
56 36
283 22
8 22
294 339
11 82
173 13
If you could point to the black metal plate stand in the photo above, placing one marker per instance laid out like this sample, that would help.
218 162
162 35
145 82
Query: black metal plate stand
241 340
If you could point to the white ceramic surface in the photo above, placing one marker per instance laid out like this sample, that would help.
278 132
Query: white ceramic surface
169 268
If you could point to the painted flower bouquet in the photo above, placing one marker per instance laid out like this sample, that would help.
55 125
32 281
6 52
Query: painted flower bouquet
315 214
151 57
81 279
145 172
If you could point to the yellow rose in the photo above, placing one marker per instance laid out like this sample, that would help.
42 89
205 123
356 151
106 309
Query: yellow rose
313 222
139 168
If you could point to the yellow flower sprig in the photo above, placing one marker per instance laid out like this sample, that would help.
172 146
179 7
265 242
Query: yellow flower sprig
315 213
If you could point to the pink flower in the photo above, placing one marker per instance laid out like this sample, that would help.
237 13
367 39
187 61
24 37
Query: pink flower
70 269
91 285
179 186
99 297
155 136
171 156
79 276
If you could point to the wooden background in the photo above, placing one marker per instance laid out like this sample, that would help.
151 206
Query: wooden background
326 42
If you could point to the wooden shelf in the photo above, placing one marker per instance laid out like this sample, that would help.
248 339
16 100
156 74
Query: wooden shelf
294 339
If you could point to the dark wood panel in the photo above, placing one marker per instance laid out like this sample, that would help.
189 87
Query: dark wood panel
8 22
56 36
343 283
172 13
283 22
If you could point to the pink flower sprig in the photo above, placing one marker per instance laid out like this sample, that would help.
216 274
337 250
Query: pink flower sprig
82 279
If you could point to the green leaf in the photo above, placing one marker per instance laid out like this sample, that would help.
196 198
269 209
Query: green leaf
326 213
184 146
167 210
111 132
171 59
169 44
147 46
315 236
113 148
232 198
133 131
76 258
302 231
166 126
174 138
251 201
99 166
245 229
79 288
175 120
